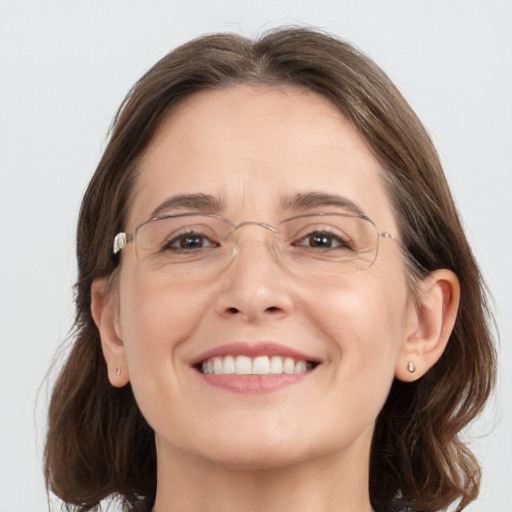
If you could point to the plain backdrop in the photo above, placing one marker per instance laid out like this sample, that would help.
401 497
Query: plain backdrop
66 66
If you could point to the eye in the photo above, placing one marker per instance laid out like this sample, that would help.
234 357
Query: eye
322 240
189 241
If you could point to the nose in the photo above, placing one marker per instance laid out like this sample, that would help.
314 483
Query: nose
256 286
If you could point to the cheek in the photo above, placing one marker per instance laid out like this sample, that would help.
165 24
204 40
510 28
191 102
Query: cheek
364 320
361 324
156 318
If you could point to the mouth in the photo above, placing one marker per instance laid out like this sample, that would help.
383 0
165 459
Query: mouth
232 364
260 367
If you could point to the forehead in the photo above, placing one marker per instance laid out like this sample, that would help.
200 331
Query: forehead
255 147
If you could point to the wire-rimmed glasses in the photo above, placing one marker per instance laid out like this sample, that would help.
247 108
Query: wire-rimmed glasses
199 243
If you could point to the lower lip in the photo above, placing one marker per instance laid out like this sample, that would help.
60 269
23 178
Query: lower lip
253 383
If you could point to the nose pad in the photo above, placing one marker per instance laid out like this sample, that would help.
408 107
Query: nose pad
268 239
256 284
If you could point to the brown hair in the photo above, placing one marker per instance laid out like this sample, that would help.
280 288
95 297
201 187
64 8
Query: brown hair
99 445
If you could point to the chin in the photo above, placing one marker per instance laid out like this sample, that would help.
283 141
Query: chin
259 448
259 457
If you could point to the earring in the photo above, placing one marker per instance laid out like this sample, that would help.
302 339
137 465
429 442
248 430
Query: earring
411 367
118 371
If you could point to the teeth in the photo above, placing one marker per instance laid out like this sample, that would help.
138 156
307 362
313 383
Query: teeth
276 365
288 365
229 365
217 365
261 365
300 367
243 365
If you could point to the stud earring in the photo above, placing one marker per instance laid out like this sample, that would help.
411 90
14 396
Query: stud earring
118 371
411 367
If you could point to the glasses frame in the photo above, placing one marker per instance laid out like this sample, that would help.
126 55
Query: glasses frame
123 238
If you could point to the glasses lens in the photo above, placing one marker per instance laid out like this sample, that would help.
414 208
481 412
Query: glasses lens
182 243
338 243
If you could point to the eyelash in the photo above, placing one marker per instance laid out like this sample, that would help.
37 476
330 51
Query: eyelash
168 244
341 242
332 238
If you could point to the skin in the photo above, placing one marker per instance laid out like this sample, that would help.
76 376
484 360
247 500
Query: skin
306 446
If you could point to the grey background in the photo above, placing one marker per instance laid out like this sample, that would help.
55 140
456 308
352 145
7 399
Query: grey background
66 66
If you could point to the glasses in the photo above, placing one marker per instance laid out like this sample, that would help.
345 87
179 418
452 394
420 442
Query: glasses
195 244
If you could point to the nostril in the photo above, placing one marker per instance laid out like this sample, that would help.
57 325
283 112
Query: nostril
271 309
233 310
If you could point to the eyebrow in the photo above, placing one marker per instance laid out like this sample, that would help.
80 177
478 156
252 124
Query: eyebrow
312 200
301 202
199 202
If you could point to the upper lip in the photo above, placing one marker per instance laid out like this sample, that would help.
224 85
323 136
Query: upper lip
254 349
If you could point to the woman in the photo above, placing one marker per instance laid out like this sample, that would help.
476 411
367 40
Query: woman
277 307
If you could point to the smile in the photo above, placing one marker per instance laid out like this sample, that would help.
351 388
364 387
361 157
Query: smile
260 365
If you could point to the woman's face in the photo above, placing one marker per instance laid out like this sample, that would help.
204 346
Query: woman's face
261 154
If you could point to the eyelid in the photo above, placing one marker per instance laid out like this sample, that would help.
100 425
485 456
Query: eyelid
183 214
235 224
328 213
342 241
176 237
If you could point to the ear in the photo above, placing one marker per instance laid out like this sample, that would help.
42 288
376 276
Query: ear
431 321
104 309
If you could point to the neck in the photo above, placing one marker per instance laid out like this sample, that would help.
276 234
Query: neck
338 482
